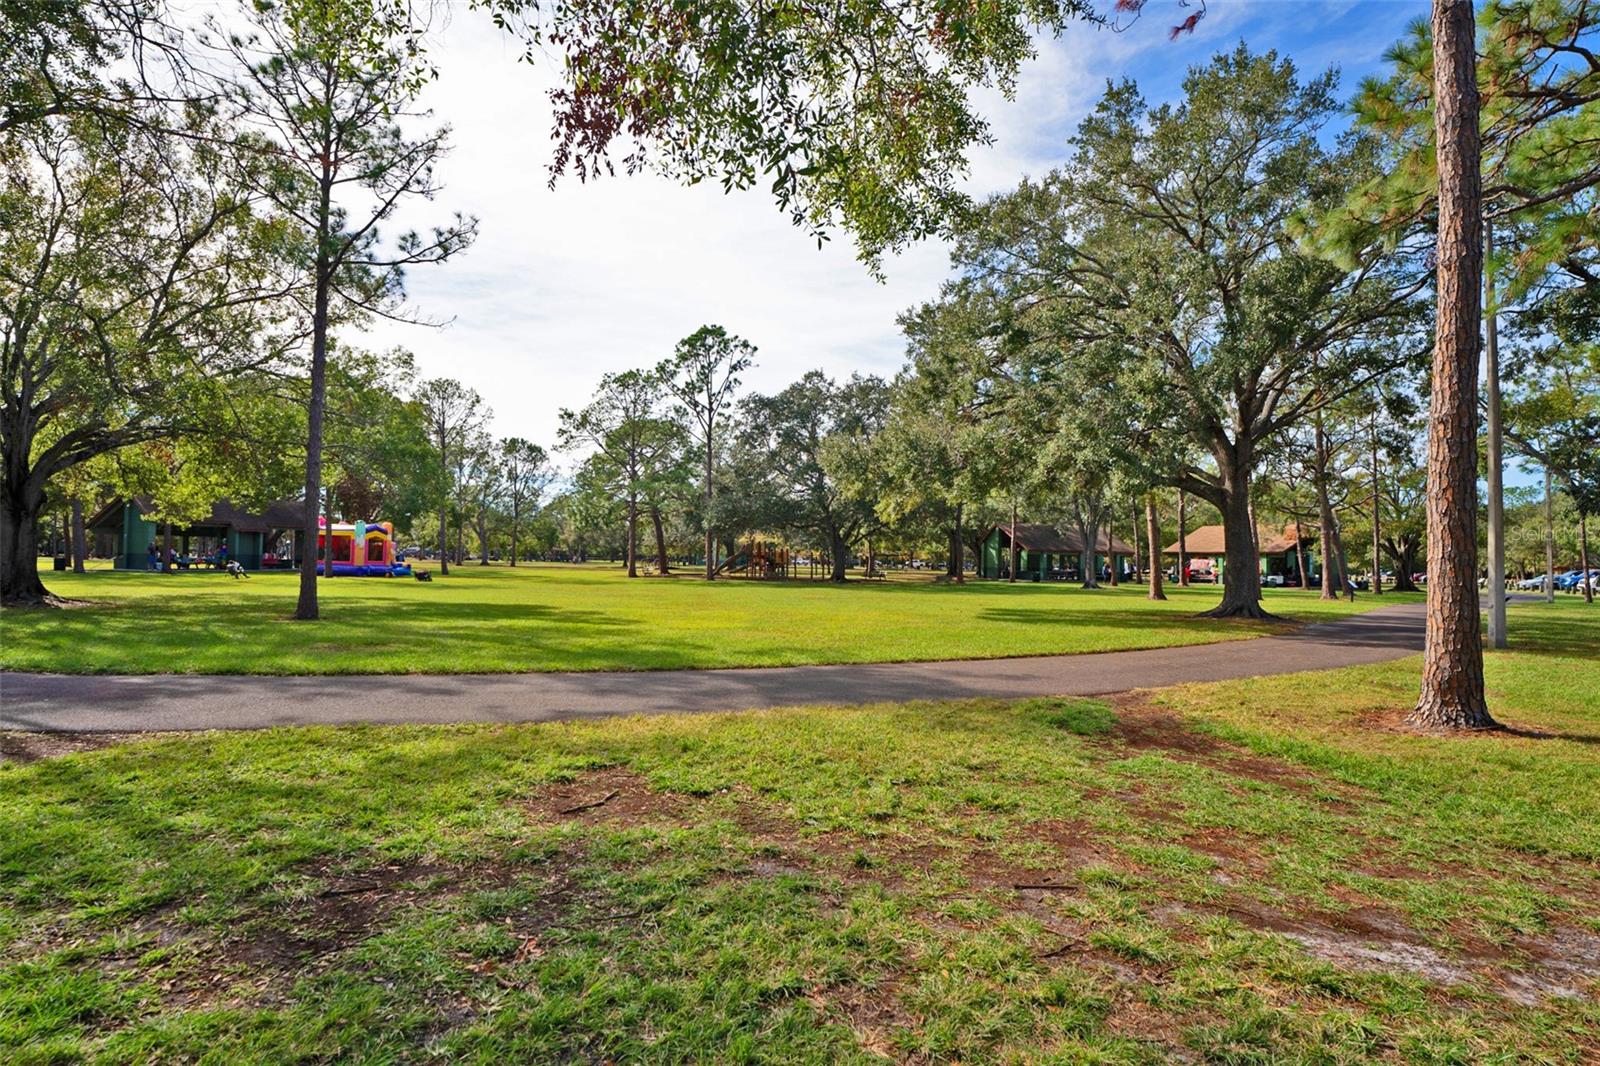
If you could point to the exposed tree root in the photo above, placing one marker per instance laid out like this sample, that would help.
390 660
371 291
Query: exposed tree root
48 601
1252 611
1441 720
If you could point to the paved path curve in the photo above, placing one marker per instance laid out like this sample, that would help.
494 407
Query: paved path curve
78 703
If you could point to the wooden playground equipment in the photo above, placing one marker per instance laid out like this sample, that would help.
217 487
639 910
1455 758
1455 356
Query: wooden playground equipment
759 559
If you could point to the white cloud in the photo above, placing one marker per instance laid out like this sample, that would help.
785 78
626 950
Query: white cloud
566 284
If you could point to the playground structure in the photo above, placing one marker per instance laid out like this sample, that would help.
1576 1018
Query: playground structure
759 559
358 549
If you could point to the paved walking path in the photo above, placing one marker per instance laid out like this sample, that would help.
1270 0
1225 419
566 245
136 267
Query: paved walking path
76 703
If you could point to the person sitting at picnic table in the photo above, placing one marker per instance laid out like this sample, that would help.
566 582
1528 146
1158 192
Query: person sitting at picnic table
152 559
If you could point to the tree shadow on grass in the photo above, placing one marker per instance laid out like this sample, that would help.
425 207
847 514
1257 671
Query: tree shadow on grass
1566 643
1109 618
1394 721
217 817
257 637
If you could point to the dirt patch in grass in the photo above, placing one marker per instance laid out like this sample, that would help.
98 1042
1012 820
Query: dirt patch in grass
1564 963
1133 1019
261 956
614 795
1233 856
20 747
873 1012
346 911
1077 844
1142 726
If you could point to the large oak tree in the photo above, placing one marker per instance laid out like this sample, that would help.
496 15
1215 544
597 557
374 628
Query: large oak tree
1163 260
137 280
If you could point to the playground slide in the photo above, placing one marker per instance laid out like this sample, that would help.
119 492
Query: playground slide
734 563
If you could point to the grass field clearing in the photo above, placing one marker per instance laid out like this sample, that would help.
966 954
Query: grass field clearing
557 617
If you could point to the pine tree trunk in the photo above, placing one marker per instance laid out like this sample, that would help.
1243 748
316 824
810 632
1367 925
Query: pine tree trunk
1452 695
1496 585
328 511
1549 541
444 541
1377 540
957 569
631 549
1111 554
1153 530
1013 535
663 567
516 519
1583 556
711 537
1300 554
80 538
1183 539
1346 581
307 609
166 548
1330 590
1137 557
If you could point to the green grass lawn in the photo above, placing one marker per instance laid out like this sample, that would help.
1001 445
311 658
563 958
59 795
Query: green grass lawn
1248 872
496 619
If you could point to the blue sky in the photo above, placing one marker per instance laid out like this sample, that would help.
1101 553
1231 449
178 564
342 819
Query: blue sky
564 285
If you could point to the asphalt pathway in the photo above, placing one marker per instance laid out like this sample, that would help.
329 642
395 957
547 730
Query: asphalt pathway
79 703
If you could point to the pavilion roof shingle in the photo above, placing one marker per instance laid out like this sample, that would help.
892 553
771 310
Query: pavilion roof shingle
282 514
1040 537
1210 540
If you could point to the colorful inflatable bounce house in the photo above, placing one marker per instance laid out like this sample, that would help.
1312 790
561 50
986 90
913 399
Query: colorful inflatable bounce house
360 549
